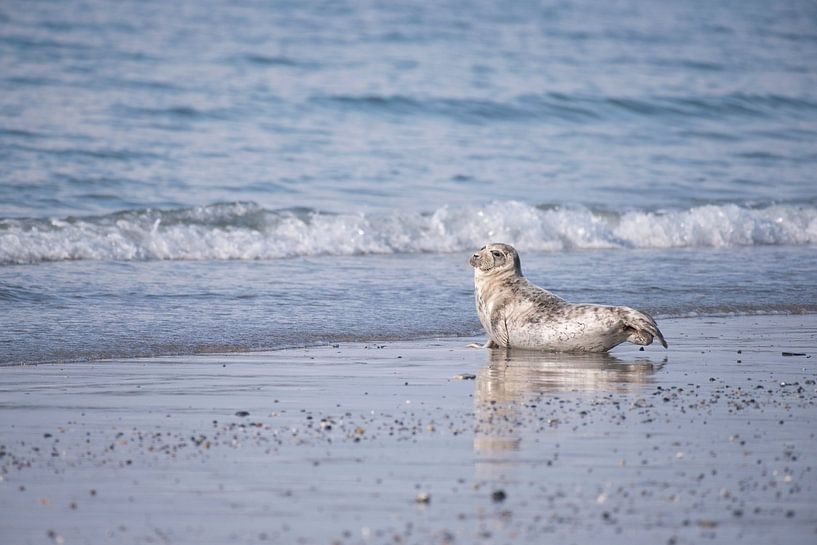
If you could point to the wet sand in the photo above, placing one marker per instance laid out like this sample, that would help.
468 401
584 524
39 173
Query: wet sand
712 441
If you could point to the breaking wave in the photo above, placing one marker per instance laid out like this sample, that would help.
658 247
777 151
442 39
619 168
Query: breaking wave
248 231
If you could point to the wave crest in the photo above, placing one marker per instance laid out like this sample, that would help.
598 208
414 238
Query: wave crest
576 108
247 231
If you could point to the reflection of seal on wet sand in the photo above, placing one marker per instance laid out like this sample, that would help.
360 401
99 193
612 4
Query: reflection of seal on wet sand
514 380
518 314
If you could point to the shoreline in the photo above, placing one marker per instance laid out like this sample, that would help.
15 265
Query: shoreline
344 444
475 337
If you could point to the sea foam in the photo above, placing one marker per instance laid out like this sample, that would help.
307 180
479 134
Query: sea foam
248 231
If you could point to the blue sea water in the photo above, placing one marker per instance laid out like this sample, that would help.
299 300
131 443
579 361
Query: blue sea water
178 177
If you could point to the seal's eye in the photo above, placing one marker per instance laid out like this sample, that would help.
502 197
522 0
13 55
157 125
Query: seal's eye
496 253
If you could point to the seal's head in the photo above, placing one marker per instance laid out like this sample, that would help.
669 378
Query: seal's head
496 259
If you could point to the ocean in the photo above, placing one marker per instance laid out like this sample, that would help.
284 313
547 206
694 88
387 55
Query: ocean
189 177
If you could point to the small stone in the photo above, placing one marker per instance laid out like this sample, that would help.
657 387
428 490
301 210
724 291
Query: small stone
498 495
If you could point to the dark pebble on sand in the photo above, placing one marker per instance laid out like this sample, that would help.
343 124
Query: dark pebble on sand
242 413
498 495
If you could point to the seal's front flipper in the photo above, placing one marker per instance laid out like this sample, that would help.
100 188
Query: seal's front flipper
488 344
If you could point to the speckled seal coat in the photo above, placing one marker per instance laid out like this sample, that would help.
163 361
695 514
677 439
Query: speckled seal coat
518 314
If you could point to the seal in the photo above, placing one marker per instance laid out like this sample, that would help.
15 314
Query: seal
518 314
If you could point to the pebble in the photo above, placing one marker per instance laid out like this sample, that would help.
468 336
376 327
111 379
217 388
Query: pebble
498 495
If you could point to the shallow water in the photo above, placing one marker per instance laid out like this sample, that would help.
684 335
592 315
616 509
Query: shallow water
162 307
191 177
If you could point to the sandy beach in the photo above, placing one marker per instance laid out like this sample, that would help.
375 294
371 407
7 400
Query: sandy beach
423 442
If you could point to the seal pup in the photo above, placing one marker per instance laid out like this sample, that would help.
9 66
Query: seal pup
518 314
